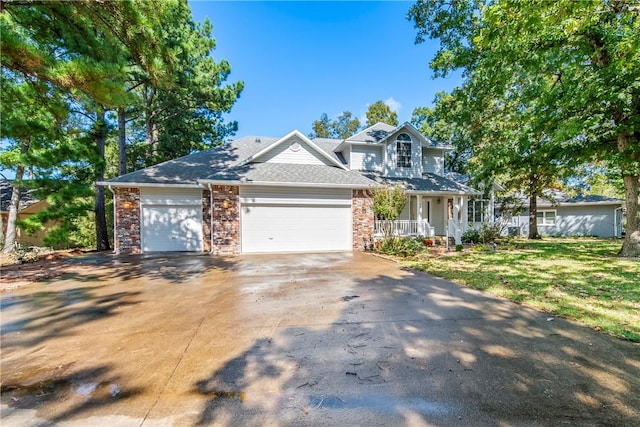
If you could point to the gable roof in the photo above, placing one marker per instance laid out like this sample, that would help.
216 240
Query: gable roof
232 163
380 132
185 171
296 134
373 134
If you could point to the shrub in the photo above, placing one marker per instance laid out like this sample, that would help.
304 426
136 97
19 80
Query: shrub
486 234
471 236
403 247
459 247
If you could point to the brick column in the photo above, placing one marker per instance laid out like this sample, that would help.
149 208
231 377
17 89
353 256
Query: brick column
206 220
226 220
363 220
127 220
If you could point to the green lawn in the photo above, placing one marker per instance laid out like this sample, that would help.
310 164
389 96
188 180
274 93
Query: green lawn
579 279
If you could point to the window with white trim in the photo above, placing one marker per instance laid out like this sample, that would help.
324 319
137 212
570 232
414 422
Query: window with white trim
547 217
477 210
403 150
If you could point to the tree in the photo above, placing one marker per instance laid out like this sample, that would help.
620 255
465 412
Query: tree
344 126
185 114
104 57
388 203
28 125
447 123
582 60
379 112
321 128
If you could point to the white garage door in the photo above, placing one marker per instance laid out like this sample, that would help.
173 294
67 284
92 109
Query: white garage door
295 220
171 220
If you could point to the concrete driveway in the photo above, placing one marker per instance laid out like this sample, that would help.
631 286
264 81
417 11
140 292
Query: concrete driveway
327 339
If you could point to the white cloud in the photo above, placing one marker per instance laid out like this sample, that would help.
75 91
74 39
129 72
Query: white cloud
393 104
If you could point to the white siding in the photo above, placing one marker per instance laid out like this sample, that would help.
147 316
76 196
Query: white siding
572 220
432 161
366 158
276 219
390 164
293 151
171 219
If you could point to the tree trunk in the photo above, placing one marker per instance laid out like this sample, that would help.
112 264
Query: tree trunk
533 219
150 126
102 234
122 142
631 243
14 207
628 147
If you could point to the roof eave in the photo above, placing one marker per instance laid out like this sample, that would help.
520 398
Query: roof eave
207 182
145 184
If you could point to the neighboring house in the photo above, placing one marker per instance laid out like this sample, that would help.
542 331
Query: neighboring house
288 194
561 215
28 206
481 209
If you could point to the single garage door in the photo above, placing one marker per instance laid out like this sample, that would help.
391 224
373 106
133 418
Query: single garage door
171 219
295 220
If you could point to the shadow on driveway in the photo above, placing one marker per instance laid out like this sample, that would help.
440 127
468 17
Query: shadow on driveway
314 339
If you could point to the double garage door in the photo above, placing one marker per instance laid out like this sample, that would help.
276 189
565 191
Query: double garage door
272 219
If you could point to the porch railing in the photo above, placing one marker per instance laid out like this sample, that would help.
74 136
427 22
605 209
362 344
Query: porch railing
455 231
403 228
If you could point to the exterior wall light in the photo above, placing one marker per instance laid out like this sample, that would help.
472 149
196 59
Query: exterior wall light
127 205
226 204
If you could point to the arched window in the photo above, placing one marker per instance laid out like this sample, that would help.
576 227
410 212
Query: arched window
403 150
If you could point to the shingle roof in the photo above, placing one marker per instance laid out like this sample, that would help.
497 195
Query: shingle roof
373 134
290 173
329 145
428 183
6 190
559 197
188 169
231 162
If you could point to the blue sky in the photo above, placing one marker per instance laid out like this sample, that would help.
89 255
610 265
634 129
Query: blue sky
301 59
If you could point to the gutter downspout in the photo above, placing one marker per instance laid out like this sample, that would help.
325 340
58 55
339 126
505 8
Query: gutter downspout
115 233
210 218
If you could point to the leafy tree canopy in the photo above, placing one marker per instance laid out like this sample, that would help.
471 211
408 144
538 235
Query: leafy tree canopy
379 112
567 73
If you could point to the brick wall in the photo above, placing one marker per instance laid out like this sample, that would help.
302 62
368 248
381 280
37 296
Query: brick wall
226 220
127 218
206 220
363 220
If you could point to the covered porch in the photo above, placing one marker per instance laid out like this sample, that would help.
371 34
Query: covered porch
429 215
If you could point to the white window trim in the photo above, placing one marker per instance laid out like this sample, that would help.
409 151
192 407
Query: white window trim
544 220
478 206
407 140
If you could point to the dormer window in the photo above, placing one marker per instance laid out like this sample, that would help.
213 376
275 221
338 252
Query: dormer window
403 149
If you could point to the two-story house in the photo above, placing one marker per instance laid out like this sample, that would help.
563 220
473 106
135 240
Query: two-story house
288 194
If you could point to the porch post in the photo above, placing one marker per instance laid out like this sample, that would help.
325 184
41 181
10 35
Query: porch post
463 211
419 209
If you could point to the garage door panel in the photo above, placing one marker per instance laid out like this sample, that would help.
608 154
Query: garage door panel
171 228
295 228
171 219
